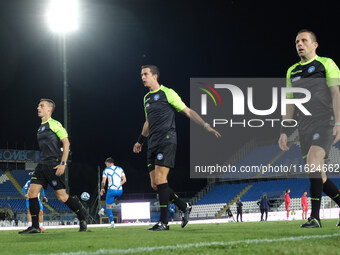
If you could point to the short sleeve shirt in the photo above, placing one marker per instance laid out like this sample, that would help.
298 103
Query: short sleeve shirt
160 107
114 177
316 75
50 134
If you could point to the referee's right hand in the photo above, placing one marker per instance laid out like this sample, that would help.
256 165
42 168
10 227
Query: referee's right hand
283 142
137 148
60 169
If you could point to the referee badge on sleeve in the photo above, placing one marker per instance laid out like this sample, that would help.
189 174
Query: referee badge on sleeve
159 156
316 136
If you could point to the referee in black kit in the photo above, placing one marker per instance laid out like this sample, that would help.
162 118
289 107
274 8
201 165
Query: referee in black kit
50 170
160 105
321 129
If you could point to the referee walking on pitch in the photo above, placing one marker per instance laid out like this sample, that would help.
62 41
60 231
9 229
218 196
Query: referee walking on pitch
321 129
50 170
160 105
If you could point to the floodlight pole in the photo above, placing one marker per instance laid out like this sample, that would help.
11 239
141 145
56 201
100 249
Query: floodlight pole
65 82
67 114
99 205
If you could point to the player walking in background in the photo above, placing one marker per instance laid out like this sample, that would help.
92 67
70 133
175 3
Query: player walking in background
172 210
41 212
160 105
230 214
287 202
321 129
50 170
115 177
304 205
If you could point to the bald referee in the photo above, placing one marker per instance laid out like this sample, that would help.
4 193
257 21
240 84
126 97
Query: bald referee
50 170
160 105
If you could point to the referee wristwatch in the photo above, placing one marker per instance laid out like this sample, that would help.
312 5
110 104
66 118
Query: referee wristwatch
63 163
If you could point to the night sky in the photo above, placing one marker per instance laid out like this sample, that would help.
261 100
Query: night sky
183 38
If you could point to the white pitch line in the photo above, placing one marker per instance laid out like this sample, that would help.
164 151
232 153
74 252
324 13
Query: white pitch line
192 245
209 221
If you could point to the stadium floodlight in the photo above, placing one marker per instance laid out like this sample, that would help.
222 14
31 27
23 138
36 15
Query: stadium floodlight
62 15
62 18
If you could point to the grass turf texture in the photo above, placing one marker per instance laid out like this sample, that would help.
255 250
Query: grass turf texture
56 241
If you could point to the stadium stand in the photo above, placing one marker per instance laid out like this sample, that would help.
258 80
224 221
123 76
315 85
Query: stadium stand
259 156
18 205
212 202
221 194
206 210
6 186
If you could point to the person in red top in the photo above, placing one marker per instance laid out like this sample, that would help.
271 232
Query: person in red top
287 202
304 205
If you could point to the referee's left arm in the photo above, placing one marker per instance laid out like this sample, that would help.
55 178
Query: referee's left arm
333 83
137 148
61 167
191 114
335 93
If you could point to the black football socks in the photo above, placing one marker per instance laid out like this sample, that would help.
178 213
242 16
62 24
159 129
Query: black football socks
316 187
175 199
331 190
77 207
163 193
34 210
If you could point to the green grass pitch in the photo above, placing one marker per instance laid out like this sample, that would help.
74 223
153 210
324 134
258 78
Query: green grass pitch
226 238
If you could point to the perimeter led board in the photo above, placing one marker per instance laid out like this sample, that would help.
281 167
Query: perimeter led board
134 211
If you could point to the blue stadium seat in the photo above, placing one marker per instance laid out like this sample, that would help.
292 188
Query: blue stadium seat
59 206
18 205
225 193
7 189
222 194
263 155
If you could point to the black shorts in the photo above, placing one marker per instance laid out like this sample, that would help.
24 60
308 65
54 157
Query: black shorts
322 137
162 155
45 174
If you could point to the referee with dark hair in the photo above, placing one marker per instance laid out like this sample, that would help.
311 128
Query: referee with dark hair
160 105
321 129
50 170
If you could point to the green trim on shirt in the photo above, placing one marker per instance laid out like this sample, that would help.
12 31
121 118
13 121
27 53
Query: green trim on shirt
154 91
57 128
309 61
332 71
174 99
146 114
